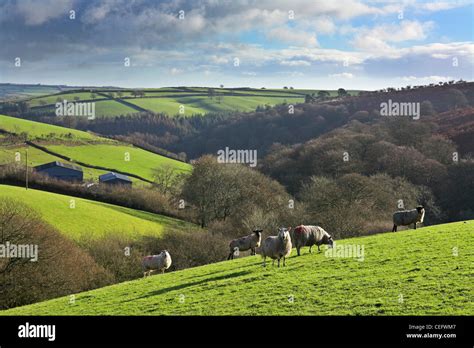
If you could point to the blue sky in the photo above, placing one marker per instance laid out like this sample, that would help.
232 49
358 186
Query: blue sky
353 44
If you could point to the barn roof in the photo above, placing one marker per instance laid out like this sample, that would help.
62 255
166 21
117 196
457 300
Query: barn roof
58 164
112 176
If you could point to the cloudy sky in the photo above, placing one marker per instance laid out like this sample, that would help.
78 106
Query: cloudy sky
328 44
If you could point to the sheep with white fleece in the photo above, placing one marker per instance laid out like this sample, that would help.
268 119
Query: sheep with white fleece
408 217
160 262
277 247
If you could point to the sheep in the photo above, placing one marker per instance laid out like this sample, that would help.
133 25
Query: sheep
160 262
408 217
277 247
252 241
309 236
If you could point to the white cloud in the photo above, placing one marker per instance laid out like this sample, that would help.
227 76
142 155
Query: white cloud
292 36
427 79
295 63
38 12
175 71
378 37
443 5
324 25
342 75
219 60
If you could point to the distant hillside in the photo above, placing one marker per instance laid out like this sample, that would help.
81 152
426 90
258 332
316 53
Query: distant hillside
173 101
15 92
422 272
95 153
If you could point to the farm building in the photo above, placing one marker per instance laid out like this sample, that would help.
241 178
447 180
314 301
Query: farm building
61 171
115 179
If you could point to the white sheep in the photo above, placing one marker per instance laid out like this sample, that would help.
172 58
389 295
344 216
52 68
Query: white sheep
252 241
277 247
160 262
408 217
309 236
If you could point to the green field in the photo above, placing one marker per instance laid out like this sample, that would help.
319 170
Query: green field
140 162
107 108
83 147
90 218
168 100
169 106
52 99
204 104
37 157
414 272
37 130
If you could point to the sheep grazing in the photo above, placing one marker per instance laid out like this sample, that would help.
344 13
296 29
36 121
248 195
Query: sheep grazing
277 247
309 236
408 217
252 241
160 262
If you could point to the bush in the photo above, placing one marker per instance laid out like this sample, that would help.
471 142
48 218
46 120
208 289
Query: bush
187 248
354 204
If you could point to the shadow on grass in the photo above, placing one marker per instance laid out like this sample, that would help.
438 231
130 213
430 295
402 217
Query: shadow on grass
186 285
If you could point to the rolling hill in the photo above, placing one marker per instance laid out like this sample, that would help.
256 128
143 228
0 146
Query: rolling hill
427 271
86 149
88 218
169 100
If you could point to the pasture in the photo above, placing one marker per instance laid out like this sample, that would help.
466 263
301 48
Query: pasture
83 147
90 219
196 100
121 157
427 271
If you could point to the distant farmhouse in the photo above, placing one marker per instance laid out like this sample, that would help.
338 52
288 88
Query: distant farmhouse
115 179
61 171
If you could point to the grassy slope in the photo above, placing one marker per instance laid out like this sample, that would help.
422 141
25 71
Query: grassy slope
52 99
107 108
203 104
38 130
419 265
89 218
174 98
88 148
37 157
113 156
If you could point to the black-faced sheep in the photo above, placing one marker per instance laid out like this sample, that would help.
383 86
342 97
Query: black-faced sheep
408 217
277 247
160 262
252 241
309 236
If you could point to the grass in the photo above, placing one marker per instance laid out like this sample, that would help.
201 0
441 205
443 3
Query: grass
88 218
37 157
413 272
84 147
140 162
38 130
52 99
108 108
169 106
203 104
168 100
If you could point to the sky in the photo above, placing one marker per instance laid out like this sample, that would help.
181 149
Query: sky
313 44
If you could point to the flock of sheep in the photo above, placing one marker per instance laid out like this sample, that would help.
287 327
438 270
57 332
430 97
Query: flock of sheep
279 247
